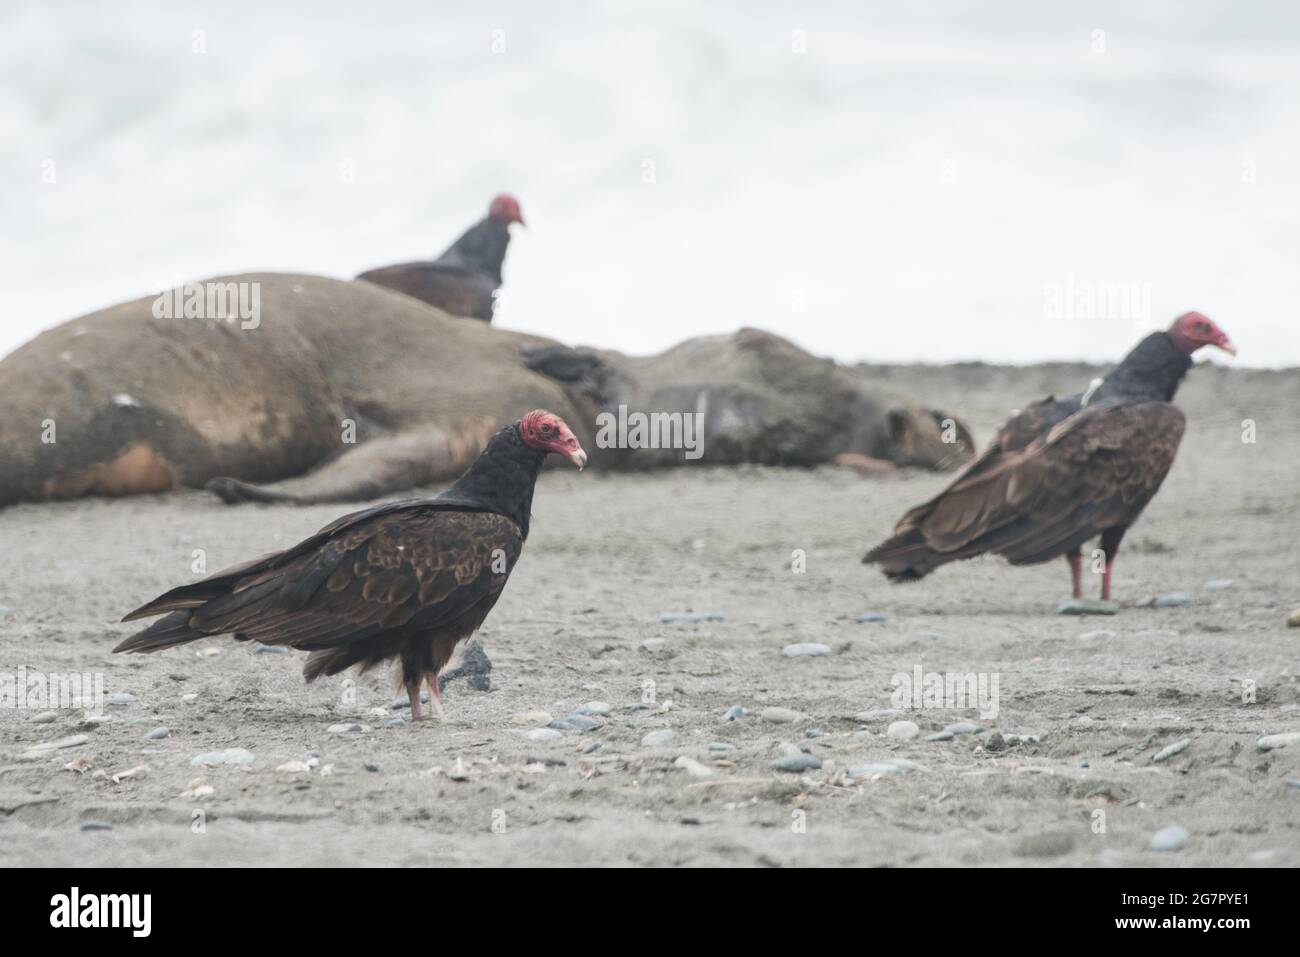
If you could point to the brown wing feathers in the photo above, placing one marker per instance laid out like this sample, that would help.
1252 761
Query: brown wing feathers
1093 470
365 583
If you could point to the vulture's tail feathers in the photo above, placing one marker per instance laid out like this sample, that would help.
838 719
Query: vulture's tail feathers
163 633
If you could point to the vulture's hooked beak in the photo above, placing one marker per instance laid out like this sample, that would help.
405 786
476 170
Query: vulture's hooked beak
577 457
1227 346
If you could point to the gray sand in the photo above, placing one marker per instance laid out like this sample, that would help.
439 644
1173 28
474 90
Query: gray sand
608 555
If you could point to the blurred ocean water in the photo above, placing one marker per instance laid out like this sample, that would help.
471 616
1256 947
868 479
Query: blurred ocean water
1009 182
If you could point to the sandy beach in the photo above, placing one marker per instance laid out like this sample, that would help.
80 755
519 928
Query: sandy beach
1065 773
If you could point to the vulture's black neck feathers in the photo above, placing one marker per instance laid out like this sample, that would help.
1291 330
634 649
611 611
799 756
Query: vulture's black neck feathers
481 250
502 478
1153 371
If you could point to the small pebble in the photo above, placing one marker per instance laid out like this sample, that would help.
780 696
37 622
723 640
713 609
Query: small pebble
1271 742
805 649
1168 752
157 734
45 717
1087 606
1219 583
657 739
580 722
1171 600
1049 844
1293 619
261 649
208 652
814 733
794 763
96 826
654 644
43 749
995 742
344 728
734 713
875 714
591 748
395 721
544 734
121 698
228 756
940 736
1083 721
1169 838
871 616
693 767
903 730
594 708
782 715
1293 782
406 702
870 770
371 766
964 727
721 746
692 616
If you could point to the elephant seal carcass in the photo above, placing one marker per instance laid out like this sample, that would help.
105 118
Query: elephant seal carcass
342 391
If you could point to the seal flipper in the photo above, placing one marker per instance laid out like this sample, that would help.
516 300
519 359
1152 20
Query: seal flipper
373 469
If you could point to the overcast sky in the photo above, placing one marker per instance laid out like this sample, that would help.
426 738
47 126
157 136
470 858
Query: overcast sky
950 182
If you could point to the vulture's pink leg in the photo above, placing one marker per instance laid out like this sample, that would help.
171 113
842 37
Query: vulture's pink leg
1076 572
435 697
1105 580
413 692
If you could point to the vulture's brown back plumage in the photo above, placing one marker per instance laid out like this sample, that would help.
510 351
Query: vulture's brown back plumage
408 578
1058 474
357 596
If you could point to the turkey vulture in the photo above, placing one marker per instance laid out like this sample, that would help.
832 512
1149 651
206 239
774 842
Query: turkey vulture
405 579
462 280
1062 471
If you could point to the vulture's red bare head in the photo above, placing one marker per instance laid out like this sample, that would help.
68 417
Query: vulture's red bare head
1192 330
546 432
505 210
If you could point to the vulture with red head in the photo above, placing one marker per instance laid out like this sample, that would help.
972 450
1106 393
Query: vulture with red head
463 280
404 580
1063 471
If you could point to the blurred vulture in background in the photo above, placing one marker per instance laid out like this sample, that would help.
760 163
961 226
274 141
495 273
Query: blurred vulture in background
462 281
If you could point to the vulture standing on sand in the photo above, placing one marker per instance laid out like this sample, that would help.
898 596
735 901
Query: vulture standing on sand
464 279
1062 471
406 579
